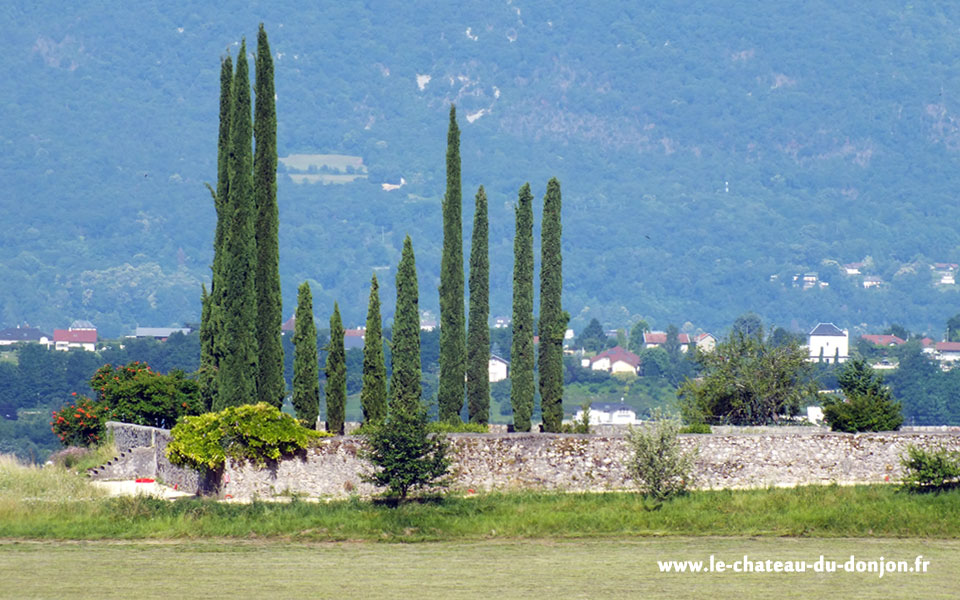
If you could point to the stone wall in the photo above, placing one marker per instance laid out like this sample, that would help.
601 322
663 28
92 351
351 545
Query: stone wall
485 462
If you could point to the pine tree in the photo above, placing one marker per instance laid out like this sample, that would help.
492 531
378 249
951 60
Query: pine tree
373 394
211 320
336 386
271 387
405 352
478 333
521 353
306 367
238 364
452 354
553 319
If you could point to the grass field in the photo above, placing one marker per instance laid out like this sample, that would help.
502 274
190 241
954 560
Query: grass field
609 568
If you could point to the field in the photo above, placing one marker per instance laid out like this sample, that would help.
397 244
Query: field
608 568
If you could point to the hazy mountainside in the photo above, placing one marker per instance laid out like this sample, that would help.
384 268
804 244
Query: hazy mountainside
701 149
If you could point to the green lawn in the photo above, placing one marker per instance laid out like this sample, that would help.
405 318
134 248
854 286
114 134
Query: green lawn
608 568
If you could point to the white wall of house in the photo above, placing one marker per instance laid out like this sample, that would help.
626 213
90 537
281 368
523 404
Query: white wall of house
498 370
624 416
621 367
602 364
829 344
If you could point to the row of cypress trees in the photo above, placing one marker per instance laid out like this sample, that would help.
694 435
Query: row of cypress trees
241 350
459 363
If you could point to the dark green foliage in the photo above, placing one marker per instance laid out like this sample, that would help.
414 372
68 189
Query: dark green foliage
306 367
405 350
553 319
373 395
867 405
336 386
270 385
252 432
521 354
930 470
592 338
659 465
746 381
405 455
207 373
137 394
700 428
211 319
452 353
953 328
748 324
236 383
478 332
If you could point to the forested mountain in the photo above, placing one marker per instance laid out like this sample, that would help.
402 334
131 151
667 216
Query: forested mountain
702 147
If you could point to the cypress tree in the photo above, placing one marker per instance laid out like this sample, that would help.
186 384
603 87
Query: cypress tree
373 394
553 319
238 364
336 386
452 354
271 387
206 374
521 352
405 380
211 320
478 332
306 367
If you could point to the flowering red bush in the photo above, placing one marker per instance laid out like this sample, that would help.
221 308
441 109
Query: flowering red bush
80 423
140 395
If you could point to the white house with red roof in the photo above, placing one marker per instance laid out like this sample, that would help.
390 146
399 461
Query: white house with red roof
828 343
353 338
616 360
947 353
81 335
655 339
705 342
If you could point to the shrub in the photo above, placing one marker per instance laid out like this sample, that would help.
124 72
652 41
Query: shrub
405 456
659 466
252 432
581 425
696 428
447 427
869 405
930 470
142 396
81 423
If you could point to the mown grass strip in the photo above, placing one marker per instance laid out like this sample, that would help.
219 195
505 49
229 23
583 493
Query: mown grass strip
830 511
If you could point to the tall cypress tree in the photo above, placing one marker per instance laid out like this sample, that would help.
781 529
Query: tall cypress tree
211 319
553 319
478 332
306 367
405 352
336 386
271 387
452 354
373 394
521 352
238 365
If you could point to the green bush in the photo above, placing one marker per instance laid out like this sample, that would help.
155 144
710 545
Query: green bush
930 470
81 423
252 432
659 466
137 394
868 406
447 427
696 428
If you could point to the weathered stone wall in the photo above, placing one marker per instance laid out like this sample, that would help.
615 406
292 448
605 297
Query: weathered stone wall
484 462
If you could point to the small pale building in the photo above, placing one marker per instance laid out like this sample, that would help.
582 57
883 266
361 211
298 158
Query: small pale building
498 367
609 413
705 342
829 343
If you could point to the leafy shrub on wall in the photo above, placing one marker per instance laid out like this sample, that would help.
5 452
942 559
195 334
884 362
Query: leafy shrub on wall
252 432
140 395
80 423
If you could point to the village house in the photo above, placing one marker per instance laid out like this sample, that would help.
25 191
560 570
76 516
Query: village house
498 368
828 343
616 360
947 353
705 342
353 338
883 339
655 339
609 413
80 334
16 335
